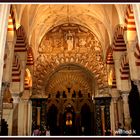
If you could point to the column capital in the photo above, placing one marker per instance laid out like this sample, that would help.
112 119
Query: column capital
38 107
136 82
126 110
16 98
25 100
125 92
29 101
102 107
125 96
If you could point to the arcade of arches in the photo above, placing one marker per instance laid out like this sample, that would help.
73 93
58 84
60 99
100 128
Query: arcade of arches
72 67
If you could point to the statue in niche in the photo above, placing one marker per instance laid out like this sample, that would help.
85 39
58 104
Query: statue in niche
69 40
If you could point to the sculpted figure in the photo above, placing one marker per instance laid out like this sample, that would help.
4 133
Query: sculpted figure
69 39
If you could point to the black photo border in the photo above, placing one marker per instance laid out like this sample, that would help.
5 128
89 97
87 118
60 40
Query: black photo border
74 2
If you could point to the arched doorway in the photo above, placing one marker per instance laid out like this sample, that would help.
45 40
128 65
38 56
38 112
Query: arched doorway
69 121
69 87
85 120
52 119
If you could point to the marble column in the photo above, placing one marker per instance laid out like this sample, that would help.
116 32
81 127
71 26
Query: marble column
21 118
115 104
120 110
127 118
102 114
29 125
38 115
16 99
24 114
10 123
112 117
103 119
98 123
15 125
25 118
114 110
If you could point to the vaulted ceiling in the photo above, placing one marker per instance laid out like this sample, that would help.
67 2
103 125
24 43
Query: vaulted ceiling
101 19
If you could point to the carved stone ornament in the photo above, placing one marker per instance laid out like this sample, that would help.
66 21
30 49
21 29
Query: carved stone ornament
68 44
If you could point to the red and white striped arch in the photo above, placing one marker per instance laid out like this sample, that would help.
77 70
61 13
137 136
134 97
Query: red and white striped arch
129 19
119 42
11 20
124 68
10 30
30 57
110 62
10 24
26 85
109 56
30 62
27 80
16 70
130 26
21 45
114 79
